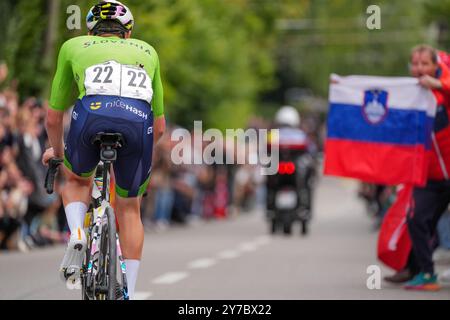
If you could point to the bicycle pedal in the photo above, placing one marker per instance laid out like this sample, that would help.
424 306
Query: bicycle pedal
73 283
73 278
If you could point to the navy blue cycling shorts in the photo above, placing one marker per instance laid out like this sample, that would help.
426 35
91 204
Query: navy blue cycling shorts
132 118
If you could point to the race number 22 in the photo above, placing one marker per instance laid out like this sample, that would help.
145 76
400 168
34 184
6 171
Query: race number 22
112 78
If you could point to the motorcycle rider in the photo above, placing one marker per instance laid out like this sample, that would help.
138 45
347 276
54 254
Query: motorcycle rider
295 147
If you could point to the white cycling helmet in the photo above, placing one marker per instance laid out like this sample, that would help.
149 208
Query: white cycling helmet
287 116
110 10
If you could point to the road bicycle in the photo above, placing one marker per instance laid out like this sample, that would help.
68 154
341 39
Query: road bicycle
99 276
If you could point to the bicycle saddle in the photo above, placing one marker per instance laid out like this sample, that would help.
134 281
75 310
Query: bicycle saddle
113 140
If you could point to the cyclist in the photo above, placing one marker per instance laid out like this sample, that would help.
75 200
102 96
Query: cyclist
120 90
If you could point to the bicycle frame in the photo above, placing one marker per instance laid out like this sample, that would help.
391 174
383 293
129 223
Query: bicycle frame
95 228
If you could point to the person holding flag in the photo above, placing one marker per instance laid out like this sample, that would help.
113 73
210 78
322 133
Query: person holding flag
432 200
392 131
411 269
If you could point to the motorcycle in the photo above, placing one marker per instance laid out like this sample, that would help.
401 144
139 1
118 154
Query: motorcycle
290 192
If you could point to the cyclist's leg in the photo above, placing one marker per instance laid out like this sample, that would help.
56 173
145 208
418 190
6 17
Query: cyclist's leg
80 160
131 237
131 232
132 175
131 227
76 194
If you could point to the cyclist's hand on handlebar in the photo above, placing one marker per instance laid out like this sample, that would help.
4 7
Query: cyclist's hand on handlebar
48 154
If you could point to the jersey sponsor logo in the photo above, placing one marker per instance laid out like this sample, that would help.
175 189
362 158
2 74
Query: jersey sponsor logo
375 106
95 105
127 107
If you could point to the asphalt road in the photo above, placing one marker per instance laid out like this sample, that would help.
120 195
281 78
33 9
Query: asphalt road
238 259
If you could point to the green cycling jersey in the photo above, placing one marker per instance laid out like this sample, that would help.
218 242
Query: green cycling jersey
109 66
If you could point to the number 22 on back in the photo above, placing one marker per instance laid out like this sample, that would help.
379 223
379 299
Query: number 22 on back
114 79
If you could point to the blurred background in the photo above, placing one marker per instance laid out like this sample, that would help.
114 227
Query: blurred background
229 63
246 55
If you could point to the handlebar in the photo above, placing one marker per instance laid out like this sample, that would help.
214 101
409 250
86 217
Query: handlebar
53 165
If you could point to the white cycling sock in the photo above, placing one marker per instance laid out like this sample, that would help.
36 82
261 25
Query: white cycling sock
75 212
132 267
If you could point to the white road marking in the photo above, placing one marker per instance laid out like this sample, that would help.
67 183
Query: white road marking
142 295
202 263
170 277
262 240
228 254
248 246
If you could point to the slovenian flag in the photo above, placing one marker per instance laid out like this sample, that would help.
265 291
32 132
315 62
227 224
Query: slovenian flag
379 129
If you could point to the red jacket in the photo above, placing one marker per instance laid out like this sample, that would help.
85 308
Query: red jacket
439 166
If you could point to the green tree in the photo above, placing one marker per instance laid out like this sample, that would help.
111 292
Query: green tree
24 44
437 12
216 56
332 36
224 60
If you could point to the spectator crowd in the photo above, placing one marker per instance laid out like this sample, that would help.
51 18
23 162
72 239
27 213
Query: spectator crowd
29 217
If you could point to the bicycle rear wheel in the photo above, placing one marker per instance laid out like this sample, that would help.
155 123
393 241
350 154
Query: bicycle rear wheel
105 287
111 254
